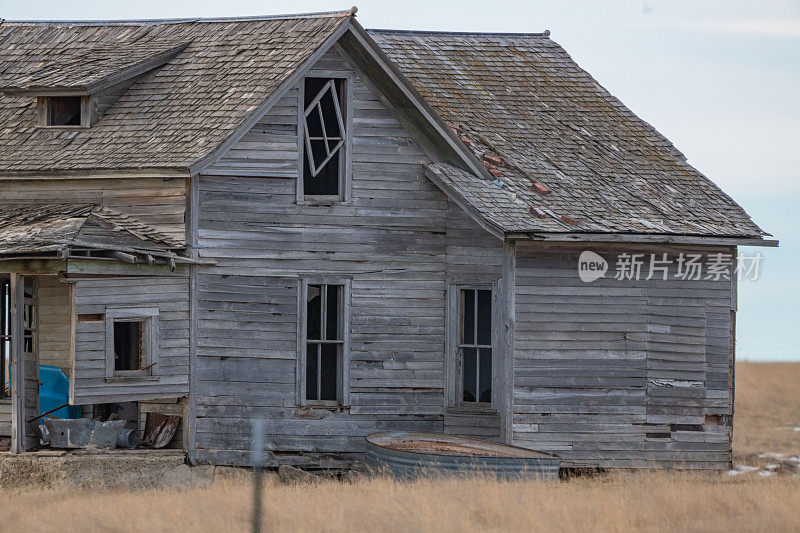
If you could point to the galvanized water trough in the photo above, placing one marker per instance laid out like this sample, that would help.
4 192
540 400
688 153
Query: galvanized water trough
409 455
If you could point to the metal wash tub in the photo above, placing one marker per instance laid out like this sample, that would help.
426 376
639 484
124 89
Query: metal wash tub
409 455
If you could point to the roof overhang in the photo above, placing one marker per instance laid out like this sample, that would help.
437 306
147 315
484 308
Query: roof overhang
462 202
166 173
48 265
632 238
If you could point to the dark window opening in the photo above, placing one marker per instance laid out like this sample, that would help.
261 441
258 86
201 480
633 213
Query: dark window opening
64 111
476 345
29 325
324 342
128 345
5 337
324 136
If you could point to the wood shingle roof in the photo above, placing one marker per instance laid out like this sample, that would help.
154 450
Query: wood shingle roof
171 117
568 156
565 154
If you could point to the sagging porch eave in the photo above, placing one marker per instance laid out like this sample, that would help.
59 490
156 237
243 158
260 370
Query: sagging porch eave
25 271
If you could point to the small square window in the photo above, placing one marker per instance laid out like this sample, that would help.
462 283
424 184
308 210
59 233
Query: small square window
63 111
131 342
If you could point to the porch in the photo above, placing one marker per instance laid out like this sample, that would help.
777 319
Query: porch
93 325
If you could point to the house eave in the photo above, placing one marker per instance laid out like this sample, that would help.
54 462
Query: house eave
97 173
634 238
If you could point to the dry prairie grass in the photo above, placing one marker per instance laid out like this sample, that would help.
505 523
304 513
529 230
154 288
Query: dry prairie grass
767 409
622 502
767 402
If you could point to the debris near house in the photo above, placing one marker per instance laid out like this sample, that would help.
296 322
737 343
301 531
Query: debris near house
159 429
293 476
82 432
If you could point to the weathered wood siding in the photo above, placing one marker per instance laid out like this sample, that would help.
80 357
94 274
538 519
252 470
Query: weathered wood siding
54 323
5 417
158 202
171 375
390 239
621 373
474 257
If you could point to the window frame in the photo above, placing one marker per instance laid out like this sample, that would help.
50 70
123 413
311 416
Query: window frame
454 365
148 315
5 334
346 161
343 376
43 105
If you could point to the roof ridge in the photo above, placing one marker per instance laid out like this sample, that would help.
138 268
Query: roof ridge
154 22
545 33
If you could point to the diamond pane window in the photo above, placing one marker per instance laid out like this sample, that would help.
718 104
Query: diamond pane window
324 136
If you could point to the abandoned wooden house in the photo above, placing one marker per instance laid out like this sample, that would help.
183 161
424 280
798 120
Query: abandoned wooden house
343 231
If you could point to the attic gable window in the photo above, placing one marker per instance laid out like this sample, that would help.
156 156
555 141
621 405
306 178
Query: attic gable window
63 111
324 138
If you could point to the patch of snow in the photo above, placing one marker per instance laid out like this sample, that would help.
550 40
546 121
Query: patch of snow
765 473
772 455
741 469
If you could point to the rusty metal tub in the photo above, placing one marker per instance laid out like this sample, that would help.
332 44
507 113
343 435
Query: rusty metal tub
409 455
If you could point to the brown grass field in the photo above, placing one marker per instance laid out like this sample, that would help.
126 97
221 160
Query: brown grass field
764 498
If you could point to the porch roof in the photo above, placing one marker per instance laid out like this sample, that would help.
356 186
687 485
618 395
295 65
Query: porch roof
64 228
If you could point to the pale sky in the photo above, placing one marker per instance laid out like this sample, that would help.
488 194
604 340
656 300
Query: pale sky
721 79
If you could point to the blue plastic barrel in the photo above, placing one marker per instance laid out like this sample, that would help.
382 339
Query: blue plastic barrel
54 391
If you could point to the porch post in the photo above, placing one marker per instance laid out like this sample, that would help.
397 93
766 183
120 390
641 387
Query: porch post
17 330
507 338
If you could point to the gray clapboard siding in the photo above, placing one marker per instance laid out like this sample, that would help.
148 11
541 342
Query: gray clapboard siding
5 417
170 376
610 373
394 239
55 316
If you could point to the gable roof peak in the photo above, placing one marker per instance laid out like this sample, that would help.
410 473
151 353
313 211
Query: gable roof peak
150 22
436 33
